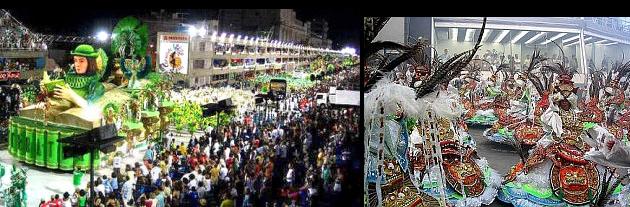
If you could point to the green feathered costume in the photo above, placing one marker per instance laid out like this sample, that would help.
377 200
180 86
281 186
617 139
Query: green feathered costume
129 42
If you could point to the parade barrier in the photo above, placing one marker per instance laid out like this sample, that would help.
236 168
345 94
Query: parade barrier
34 142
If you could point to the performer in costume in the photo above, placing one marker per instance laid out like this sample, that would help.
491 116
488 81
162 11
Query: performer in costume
556 172
386 176
388 106
612 151
517 123
478 97
616 116
458 174
500 132
394 159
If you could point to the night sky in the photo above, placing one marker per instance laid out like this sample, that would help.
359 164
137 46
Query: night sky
344 25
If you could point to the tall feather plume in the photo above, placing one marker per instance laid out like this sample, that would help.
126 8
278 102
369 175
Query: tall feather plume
559 68
435 63
597 83
377 61
388 67
623 70
449 69
474 69
374 47
554 68
414 54
372 26
539 84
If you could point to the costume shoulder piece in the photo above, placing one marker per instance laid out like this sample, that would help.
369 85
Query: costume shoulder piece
101 62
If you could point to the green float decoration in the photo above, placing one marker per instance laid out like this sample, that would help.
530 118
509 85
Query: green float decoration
66 163
13 138
52 149
129 44
21 151
40 155
30 145
81 162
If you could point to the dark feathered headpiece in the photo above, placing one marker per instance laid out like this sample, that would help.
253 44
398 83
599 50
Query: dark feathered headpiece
417 55
451 68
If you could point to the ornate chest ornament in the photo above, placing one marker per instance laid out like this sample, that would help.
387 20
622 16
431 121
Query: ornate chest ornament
528 134
464 175
573 179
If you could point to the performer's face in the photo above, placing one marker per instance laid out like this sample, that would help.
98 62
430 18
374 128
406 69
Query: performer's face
420 72
80 64
565 104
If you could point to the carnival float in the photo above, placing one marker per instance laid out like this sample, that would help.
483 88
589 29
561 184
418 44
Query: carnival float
97 89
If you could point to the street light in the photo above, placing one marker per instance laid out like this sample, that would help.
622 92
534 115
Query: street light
349 50
214 36
102 36
192 31
222 38
202 32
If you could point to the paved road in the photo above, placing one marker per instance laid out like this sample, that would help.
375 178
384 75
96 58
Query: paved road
500 157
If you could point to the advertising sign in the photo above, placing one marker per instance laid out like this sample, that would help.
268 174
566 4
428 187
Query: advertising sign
173 52
9 75
278 88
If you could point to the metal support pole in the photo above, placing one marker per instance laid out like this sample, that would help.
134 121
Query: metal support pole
583 53
92 193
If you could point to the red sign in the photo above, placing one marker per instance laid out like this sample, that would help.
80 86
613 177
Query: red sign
9 75
175 38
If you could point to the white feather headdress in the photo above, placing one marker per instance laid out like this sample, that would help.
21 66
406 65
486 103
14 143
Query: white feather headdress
392 96
442 103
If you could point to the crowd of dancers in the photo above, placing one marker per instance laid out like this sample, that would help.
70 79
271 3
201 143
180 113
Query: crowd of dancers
571 140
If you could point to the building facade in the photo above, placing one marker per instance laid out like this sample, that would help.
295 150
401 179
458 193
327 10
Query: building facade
318 33
279 24
229 58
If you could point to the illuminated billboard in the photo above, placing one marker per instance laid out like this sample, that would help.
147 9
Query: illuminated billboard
173 52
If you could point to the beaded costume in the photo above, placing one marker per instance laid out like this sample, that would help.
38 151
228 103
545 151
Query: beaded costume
417 150
556 172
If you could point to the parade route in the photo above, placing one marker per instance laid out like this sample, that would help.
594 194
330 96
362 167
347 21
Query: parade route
501 157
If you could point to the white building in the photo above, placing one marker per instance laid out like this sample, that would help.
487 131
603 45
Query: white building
221 57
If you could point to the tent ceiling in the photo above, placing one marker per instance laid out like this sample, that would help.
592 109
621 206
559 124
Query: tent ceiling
563 38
